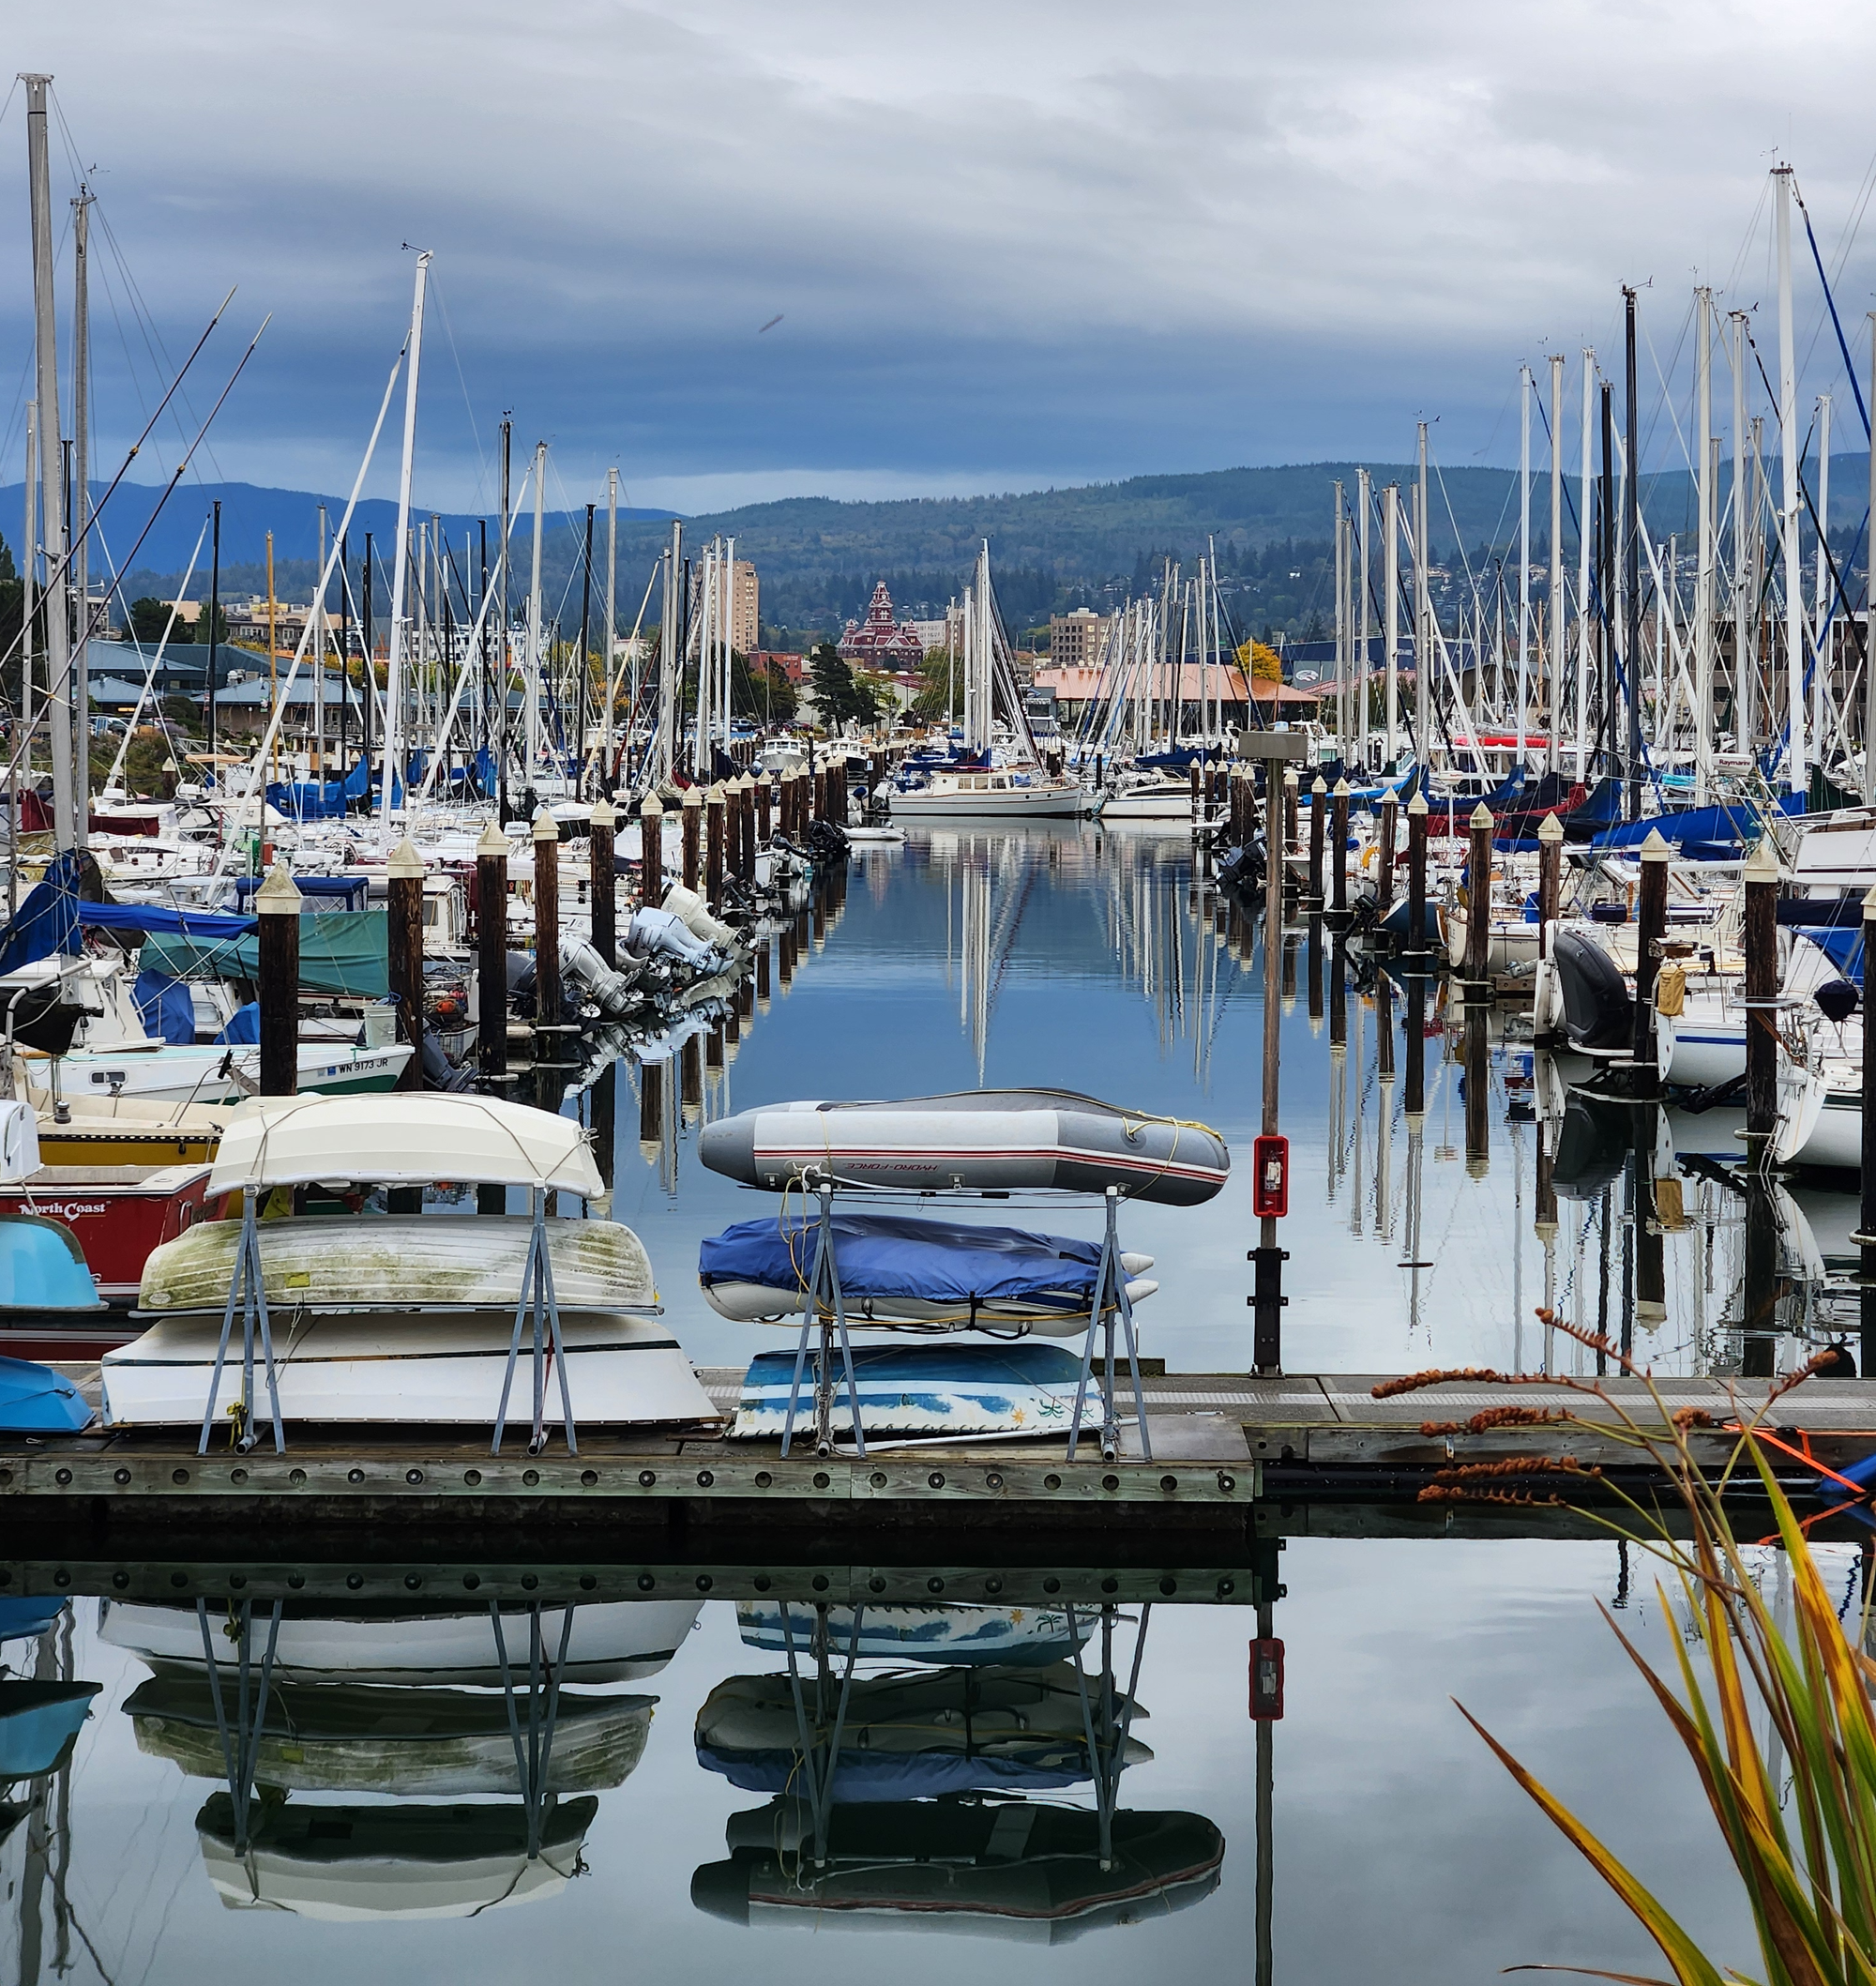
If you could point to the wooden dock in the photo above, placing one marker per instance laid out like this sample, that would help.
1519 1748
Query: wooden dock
1221 1445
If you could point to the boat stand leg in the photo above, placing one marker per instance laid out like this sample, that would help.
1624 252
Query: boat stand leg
1126 1306
530 1278
846 1343
1081 1383
556 1348
255 1315
800 1365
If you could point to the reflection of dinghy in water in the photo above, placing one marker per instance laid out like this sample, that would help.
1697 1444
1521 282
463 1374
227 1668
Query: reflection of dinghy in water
991 1869
899 1269
1009 1635
609 1642
345 1737
40 1722
976 1140
925 1732
936 1389
343 1864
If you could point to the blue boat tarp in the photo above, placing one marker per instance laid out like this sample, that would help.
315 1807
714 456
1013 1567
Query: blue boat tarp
1738 824
899 1255
1842 945
165 1009
34 1400
54 914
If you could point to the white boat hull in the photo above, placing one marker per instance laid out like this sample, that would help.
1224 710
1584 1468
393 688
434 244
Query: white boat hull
407 1369
1007 803
176 1074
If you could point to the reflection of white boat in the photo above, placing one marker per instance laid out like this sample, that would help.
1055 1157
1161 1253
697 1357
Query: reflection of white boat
950 1635
1034 1875
352 1864
609 1641
362 1737
405 1320
1022 1389
924 1732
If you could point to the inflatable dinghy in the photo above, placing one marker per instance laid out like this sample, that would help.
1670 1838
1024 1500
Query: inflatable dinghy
900 1271
984 1139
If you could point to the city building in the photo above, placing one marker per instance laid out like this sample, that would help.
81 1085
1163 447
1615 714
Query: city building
1075 639
880 641
745 605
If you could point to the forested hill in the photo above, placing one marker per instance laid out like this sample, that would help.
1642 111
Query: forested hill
818 558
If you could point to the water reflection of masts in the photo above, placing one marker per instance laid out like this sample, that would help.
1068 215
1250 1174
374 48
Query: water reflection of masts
1384 1050
47 1829
1415 1114
1337 1063
1355 1208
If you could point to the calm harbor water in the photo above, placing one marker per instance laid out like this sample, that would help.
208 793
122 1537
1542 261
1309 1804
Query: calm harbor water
388 1804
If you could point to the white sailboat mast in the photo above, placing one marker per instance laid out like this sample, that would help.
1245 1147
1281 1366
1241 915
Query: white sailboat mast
1583 515
1819 617
1741 590
1703 569
394 683
1365 616
1796 769
1553 758
531 671
1523 552
1391 631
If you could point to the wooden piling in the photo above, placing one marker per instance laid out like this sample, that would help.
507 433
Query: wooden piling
1416 876
820 794
1478 905
277 904
1477 1094
651 852
1339 827
764 796
716 805
603 867
1651 928
1760 941
1383 857
1197 792
403 900
492 954
762 976
746 819
1550 878
693 835
1292 791
546 925
1319 795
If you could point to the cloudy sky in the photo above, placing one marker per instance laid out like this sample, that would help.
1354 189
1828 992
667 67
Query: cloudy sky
1009 244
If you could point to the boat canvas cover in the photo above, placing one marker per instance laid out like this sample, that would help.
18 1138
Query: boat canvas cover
54 913
340 951
883 1256
403 1139
954 1389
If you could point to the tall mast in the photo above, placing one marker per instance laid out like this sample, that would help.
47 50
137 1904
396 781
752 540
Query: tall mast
1585 511
1422 628
319 664
1631 562
394 679
1797 774
1820 619
1341 626
1365 617
531 662
667 644
1870 616
1391 620
1704 566
1742 591
612 614
80 490
1553 759
1524 553
504 658
51 465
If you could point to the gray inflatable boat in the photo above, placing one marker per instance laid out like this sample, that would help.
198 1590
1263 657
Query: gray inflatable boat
980 1140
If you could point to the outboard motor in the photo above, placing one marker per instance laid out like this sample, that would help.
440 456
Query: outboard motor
1598 1009
614 994
663 933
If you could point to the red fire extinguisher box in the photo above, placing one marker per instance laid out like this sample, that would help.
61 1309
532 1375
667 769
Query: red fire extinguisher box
1270 1177
1266 1680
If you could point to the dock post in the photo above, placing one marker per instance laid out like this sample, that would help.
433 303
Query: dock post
1651 929
1384 855
1761 939
1478 1095
765 795
694 834
1196 779
546 925
603 856
276 903
1478 905
1651 1268
762 976
1338 826
491 980
716 808
1319 795
404 896
651 852
1550 878
1292 789
1416 947
1866 1235
745 817
1266 1350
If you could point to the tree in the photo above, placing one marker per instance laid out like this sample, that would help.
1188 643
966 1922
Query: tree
200 632
149 617
764 693
838 696
1264 664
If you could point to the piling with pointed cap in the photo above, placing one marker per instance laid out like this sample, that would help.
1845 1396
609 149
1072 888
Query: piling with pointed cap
277 904
1338 828
693 835
492 952
765 822
651 852
1760 941
546 921
1651 928
746 866
603 862
1384 855
713 805
1292 788
1478 902
1549 877
1416 874
403 904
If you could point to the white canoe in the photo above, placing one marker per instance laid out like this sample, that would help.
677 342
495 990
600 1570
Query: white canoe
414 1370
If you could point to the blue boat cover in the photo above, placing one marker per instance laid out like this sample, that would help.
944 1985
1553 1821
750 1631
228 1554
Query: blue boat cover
1841 945
886 1255
54 914
34 1400
164 1006
1682 825
244 1025
42 1269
